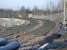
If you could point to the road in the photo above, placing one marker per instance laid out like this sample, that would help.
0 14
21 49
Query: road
35 27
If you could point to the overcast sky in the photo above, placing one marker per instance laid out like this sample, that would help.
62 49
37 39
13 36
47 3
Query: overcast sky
16 4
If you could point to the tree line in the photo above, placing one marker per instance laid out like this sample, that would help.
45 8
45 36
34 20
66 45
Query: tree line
25 11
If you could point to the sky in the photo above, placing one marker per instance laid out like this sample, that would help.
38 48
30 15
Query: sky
16 4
